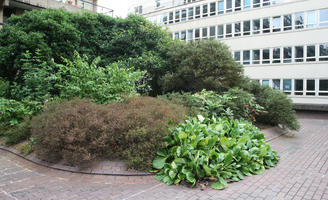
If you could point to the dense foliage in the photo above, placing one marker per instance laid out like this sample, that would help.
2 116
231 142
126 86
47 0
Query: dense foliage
278 105
78 131
216 148
205 64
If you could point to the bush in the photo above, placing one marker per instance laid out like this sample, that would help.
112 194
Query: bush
278 105
216 148
79 131
18 133
205 64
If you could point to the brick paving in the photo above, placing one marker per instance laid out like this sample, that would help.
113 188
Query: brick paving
302 173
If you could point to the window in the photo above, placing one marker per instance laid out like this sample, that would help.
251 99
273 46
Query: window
220 7
176 35
197 33
171 35
276 84
212 9
190 33
237 5
220 31
159 3
324 17
204 32
298 86
237 29
287 86
212 31
323 87
228 6
177 16
311 21
191 13
247 4
310 87
256 57
310 53
205 10
323 56
237 56
266 56
228 30
256 26
138 10
165 16
299 20
183 35
299 53
246 57
183 15
247 28
276 23
256 3
276 55
287 22
265 82
197 12
171 17
287 54
266 25
266 3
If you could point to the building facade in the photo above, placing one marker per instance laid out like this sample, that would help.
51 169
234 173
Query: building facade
17 7
280 43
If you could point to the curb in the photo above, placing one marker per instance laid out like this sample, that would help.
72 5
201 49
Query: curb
90 172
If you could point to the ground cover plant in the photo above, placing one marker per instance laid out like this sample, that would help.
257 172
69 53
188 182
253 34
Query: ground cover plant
213 148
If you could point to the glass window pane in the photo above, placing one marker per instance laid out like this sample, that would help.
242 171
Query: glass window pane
177 16
276 24
247 4
256 3
247 27
176 35
311 19
229 6
197 12
287 22
212 31
228 30
287 84
256 26
299 20
237 5
265 82
204 30
183 35
171 17
299 53
324 17
212 8
190 33
191 13
310 85
266 25
220 31
246 57
323 85
220 7
256 57
276 84
183 15
276 55
298 84
266 2
197 33
266 56
310 53
237 29
237 56
287 54
323 52
205 10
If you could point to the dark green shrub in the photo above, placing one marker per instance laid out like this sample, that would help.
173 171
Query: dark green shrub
205 64
277 104
18 133
216 148
79 131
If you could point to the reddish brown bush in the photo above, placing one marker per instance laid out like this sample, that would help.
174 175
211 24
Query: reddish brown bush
79 131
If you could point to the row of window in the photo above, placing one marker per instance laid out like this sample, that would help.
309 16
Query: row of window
296 54
299 87
211 9
296 21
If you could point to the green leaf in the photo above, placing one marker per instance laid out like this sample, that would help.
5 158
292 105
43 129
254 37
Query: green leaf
190 177
159 162
218 185
200 118
172 174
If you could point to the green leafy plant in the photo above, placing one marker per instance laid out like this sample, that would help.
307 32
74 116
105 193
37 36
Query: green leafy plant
27 147
213 148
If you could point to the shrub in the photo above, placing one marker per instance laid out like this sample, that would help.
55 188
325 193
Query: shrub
18 133
79 131
277 104
217 148
205 64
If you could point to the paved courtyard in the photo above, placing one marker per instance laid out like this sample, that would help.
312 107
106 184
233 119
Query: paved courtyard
302 173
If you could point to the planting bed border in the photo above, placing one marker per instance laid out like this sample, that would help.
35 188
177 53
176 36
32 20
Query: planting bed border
276 131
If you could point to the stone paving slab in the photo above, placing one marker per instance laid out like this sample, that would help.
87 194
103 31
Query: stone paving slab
302 173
